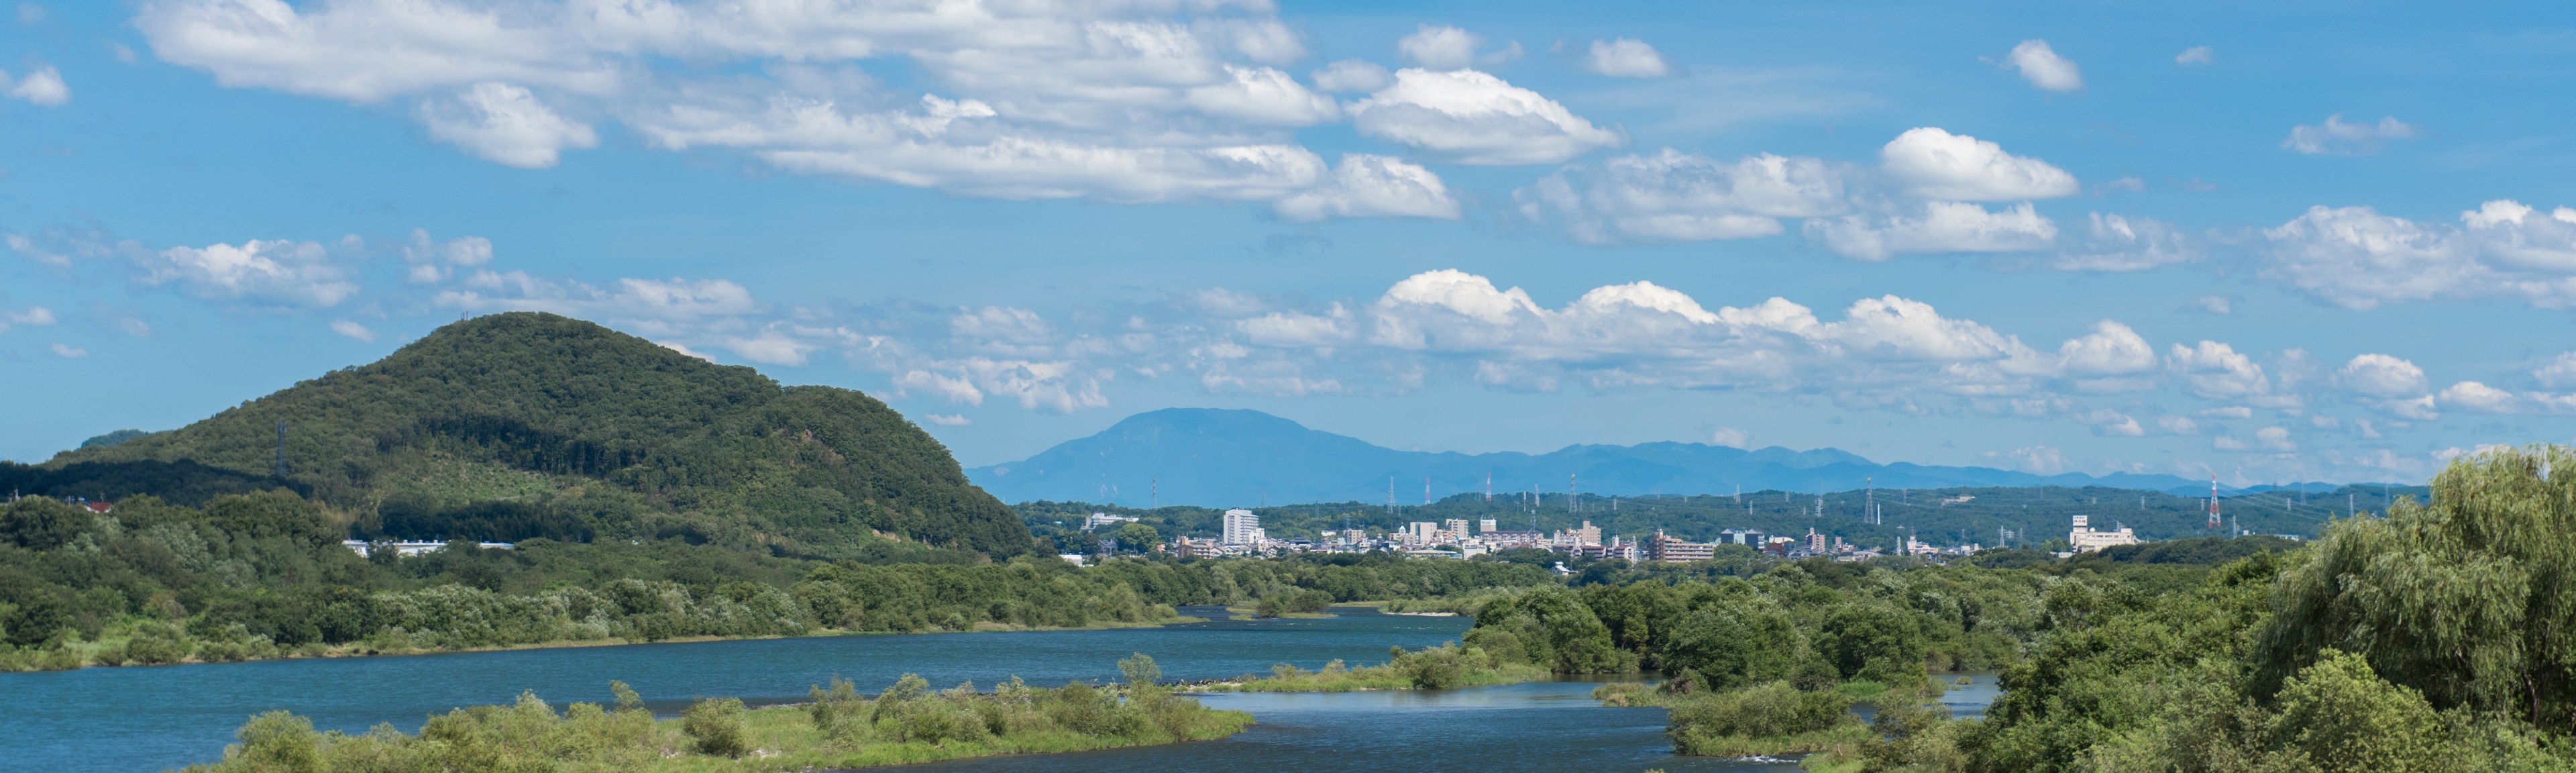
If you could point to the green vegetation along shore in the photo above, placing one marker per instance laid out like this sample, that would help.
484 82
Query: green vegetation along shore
1431 668
907 723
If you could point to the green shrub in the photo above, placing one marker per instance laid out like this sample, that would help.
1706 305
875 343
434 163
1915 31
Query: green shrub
716 727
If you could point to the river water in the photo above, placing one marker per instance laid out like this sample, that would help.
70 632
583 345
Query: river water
153 718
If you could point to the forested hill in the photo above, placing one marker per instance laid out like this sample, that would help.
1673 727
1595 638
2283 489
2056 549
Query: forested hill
533 425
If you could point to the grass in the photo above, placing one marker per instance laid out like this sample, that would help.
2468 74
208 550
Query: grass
906 724
1443 667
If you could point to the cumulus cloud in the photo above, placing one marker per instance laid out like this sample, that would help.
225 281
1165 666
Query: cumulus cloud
2337 138
2041 65
42 86
2196 55
69 352
2216 371
947 419
2380 375
2479 398
1676 196
1936 226
505 124
1626 58
276 272
655 307
27 247
1730 437
1476 118
1936 164
353 330
1366 185
1115 102
2357 258
2112 349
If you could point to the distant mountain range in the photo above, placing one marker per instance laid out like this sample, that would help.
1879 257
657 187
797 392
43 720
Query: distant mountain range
1240 458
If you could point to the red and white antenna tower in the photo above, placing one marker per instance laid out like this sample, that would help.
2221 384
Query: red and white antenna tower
2213 500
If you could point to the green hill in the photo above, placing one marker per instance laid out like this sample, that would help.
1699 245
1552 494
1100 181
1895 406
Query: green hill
524 425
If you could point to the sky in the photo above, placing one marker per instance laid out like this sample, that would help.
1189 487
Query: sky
2270 242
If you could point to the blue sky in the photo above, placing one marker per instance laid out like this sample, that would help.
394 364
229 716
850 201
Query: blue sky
2289 242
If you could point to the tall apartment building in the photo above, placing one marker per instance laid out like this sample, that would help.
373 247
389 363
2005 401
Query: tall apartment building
2084 539
1488 526
1242 527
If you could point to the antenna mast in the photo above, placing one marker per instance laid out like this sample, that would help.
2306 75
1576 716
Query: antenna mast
2213 500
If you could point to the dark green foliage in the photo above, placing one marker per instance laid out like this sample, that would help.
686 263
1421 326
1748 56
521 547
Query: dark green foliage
1720 723
715 726
1300 601
113 438
1554 628
1873 642
577 424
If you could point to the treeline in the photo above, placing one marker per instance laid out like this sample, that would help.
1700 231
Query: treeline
265 575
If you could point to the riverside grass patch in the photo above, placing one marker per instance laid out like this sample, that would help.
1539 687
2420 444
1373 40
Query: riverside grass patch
1431 668
907 723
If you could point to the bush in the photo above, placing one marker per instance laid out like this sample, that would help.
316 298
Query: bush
835 711
1768 710
716 727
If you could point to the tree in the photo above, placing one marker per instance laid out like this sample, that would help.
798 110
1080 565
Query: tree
1138 537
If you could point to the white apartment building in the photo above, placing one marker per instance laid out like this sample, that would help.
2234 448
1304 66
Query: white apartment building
1242 528
2084 539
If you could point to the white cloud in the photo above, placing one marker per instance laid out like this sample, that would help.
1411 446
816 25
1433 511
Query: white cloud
275 272
947 419
1352 75
1939 226
2380 375
1116 102
31 14
2275 439
1263 96
2220 305
27 247
69 352
2116 243
2216 371
353 330
2334 137
1440 48
42 87
1676 196
2110 422
434 262
1475 118
37 316
2558 373
2358 258
1730 437
505 124
2178 425
1626 58
655 308
2229 412
771 347
2480 398
2229 443
2112 349
1366 185
2041 65
2196 55
1936 164
2037 460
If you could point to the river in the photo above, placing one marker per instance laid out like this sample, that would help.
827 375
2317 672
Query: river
152 718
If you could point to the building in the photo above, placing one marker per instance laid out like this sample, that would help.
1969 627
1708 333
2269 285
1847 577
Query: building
414 548
1741 537
1663 547
1587 535
1242 528
2083 539
1488 526
1817 544
1196 548
1098 520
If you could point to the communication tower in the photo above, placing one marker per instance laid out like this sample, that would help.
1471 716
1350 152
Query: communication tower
2213 500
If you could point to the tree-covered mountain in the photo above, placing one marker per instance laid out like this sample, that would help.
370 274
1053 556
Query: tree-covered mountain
1237 458
525 425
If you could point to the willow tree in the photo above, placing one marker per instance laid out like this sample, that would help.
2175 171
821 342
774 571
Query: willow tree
2466 598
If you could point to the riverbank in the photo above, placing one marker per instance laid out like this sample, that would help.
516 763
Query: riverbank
139 646
1437 668
837 729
